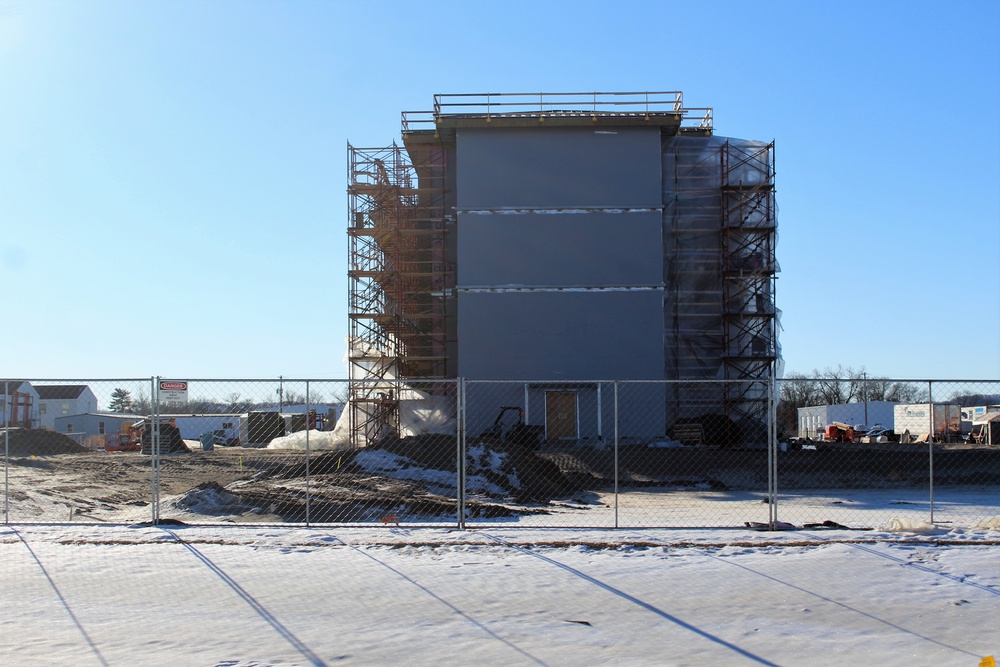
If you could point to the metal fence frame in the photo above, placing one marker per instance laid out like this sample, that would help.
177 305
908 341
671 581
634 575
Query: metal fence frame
775 499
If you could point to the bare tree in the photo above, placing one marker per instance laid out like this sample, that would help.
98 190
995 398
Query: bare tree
796 391
142 405
975 399
835 386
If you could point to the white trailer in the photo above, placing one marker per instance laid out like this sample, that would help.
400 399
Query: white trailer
192 427
940 421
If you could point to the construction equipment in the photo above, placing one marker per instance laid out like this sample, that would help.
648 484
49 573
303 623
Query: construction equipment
126 440
839 432
519 433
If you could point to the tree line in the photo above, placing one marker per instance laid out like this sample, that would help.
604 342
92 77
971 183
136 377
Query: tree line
122 401
835 386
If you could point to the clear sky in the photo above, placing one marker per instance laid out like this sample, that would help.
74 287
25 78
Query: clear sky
173 174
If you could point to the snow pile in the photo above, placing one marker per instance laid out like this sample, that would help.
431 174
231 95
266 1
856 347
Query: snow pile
209 498
485 463
423 414
896 525
316 440
382 462
989 523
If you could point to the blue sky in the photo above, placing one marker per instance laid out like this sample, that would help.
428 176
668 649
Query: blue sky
173 174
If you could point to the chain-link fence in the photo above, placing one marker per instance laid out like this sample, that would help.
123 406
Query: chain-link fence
819 452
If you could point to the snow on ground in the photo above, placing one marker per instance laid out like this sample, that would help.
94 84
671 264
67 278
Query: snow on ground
523 590
380 461
311 439
278 596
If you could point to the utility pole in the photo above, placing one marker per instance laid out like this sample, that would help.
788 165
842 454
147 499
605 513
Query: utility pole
864 388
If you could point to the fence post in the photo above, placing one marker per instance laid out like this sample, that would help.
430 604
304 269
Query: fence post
600 429
616 453
527 404
460 453
772 450
930 447
6 452
154 451
307 453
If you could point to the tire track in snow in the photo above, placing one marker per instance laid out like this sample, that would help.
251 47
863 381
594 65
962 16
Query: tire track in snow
62 600
923 568
842 605
437 597
261 610
634 600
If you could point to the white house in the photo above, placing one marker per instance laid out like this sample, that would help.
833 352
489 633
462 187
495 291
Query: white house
63 400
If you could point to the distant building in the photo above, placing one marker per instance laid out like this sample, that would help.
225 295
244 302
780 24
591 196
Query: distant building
940 421
813 420
972 415
20 404
95 429
63 400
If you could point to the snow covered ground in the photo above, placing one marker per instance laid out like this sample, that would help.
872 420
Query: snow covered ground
277 596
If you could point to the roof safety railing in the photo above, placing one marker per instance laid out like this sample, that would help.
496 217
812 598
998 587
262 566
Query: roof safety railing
497 105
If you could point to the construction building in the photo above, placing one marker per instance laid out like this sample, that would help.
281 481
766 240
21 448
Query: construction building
563 240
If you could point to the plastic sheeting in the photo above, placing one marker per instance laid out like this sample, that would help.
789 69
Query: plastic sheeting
714 329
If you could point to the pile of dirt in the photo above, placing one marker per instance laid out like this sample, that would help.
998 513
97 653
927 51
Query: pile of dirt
38 442
431 451
537 478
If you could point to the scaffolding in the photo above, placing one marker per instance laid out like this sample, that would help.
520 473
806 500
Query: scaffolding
400 280
749 228
719 232
719 257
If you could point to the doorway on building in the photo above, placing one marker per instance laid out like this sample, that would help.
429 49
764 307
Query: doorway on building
561 415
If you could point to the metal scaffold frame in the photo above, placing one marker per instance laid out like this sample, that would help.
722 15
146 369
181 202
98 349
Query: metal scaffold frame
399 279
749 227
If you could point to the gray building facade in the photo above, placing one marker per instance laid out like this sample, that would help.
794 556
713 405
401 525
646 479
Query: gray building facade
564 247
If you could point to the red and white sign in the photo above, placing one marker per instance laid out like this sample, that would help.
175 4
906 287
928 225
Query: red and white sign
173 391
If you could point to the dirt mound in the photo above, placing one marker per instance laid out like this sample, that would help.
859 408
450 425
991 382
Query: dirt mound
39 442
537 479
431 451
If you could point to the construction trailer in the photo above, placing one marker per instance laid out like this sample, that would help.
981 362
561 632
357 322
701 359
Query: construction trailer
941 422
258 428
972 415
985 428
563 238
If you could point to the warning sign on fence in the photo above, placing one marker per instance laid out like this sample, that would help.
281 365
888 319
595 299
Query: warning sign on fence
173 391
